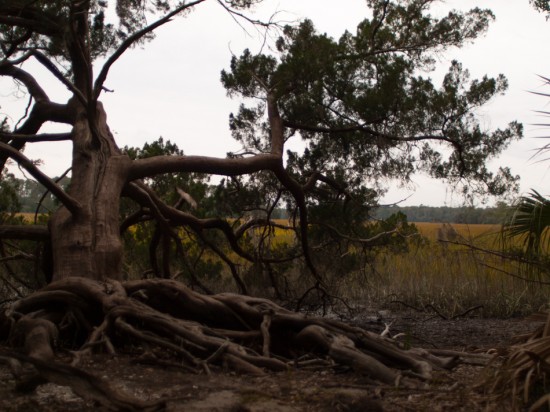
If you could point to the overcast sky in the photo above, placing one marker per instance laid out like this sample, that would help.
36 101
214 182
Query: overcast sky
171 87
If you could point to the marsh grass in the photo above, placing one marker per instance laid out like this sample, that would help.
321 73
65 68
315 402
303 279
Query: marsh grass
449 279
436 273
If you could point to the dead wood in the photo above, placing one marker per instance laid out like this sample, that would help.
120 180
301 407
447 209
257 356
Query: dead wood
85 384
236 332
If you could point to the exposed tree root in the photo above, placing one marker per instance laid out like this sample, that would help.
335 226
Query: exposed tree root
246 334
82 383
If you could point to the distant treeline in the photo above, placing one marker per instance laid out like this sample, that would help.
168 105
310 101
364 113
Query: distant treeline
470 215
30 193
444 214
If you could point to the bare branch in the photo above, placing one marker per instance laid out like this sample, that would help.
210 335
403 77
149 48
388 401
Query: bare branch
139 216
259 222
146 197
187 198
35 90
32 138
370 131
19 256
369 241
39 204
71 204
59 76
255 22
98 85
318 177
152 166
23 58
277 126
240 284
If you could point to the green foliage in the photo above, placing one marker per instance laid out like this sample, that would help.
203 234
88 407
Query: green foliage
529 223
367 113
9 200
166 185
362 108
33 196
541 5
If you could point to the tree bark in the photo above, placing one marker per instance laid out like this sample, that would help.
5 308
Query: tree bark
88 243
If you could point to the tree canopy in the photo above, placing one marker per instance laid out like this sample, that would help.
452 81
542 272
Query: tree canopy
363 108
541 5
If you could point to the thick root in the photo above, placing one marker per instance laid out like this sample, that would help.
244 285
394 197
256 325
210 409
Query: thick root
241 333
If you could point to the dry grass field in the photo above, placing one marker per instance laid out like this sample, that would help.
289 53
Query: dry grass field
444 275
450 269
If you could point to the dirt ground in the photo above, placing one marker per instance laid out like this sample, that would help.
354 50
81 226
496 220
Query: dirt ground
332 389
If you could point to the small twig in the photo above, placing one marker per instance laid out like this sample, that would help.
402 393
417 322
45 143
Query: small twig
467 311
430 306
386 330
216 355
407 305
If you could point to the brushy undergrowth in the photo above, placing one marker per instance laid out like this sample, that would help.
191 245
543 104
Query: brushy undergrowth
435 273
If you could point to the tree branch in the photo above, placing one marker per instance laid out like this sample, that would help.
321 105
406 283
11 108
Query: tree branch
240 284
22 59
146 197
71 204
368 130
42 59
319 177
98 85
369 241
44 137
152 166
42 111
277 144
35 90
258 222
24 232
32 18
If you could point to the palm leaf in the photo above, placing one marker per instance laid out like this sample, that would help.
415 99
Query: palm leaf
546 147
528 224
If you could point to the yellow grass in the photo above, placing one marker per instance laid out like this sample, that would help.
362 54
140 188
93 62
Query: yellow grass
466 231
28 217
454 278
445 275
438 272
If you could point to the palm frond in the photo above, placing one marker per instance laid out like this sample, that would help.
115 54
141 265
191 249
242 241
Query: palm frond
529 223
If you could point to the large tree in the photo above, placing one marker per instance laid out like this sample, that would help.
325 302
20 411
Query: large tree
362 105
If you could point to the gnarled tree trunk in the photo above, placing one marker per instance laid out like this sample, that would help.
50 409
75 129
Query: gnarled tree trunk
88 243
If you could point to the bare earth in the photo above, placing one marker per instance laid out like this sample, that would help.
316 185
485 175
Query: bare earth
333 389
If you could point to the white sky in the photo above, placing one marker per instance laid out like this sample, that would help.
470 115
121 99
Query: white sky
171 88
